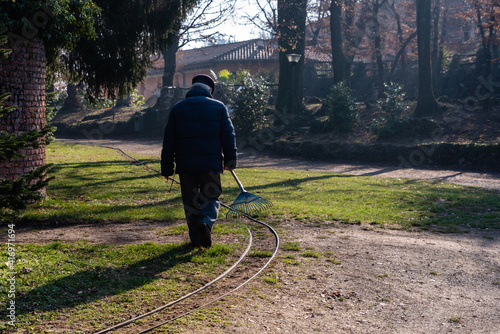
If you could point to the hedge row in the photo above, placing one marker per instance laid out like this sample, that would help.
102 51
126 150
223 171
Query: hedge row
149 123
440 155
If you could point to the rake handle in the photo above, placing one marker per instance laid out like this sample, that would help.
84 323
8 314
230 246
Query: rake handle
237 181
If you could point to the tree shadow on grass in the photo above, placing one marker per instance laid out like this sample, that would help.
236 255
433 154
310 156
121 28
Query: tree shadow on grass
100 282
442 208
288 183
78 173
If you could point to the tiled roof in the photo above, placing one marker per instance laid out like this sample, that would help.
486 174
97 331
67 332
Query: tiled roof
256 49
317 55
252 50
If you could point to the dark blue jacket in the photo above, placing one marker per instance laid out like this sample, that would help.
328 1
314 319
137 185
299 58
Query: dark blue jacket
199 136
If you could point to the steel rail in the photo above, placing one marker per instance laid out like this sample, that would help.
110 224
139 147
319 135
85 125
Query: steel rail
276 236
236 288
161 308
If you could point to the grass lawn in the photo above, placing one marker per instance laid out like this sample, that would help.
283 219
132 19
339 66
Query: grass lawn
96 184
81 287
86 286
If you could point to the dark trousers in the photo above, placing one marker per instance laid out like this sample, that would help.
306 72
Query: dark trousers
200 197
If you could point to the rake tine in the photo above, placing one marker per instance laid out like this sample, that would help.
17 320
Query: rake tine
248 209
246 203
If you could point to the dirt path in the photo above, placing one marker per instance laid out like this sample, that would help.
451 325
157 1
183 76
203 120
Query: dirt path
363 279
153 148
379 281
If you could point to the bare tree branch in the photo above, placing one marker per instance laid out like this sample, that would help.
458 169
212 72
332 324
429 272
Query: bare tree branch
266 18
209 15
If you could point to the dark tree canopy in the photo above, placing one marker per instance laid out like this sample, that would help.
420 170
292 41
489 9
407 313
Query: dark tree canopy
106 44
60 23
127 34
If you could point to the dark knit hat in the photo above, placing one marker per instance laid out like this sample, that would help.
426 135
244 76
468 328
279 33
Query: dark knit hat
204 79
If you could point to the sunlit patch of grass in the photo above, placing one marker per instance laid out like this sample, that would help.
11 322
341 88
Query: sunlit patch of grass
334 261
261 254
392 203
311 254
291 246
94 184
91 285
271 279
174 230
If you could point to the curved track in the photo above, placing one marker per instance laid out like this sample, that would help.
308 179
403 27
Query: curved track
147 326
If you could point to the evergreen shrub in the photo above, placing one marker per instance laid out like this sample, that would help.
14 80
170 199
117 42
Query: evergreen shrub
341 109
247 98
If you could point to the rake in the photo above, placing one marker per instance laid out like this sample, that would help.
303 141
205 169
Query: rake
246 203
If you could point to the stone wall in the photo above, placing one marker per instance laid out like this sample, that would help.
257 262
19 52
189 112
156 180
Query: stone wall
23 75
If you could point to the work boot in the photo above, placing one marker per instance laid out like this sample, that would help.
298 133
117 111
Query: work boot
205 235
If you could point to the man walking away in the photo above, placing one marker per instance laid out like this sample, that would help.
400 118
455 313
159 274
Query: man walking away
200 140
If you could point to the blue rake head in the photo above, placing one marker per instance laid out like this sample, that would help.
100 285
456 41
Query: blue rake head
247 204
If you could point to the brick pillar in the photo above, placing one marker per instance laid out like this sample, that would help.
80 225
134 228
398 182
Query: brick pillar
23 75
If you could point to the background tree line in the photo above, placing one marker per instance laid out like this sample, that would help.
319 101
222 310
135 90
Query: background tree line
393 35
103 46
106 47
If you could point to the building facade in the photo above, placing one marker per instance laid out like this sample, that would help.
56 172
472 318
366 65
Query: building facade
257 55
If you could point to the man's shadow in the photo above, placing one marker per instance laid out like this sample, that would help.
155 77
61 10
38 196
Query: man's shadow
99 282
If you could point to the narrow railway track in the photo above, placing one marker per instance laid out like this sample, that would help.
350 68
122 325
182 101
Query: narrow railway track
263 245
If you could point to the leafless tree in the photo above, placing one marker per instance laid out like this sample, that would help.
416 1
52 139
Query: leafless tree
198 26
265 17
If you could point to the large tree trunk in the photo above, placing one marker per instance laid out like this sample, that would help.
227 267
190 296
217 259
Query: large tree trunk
291 39
436 65
26 83
72 102
426 103
168 50
378 51
339 61
169 47
123 101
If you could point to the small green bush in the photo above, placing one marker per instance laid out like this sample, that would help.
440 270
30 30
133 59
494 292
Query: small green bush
394 118
394 104
249 100
341 109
